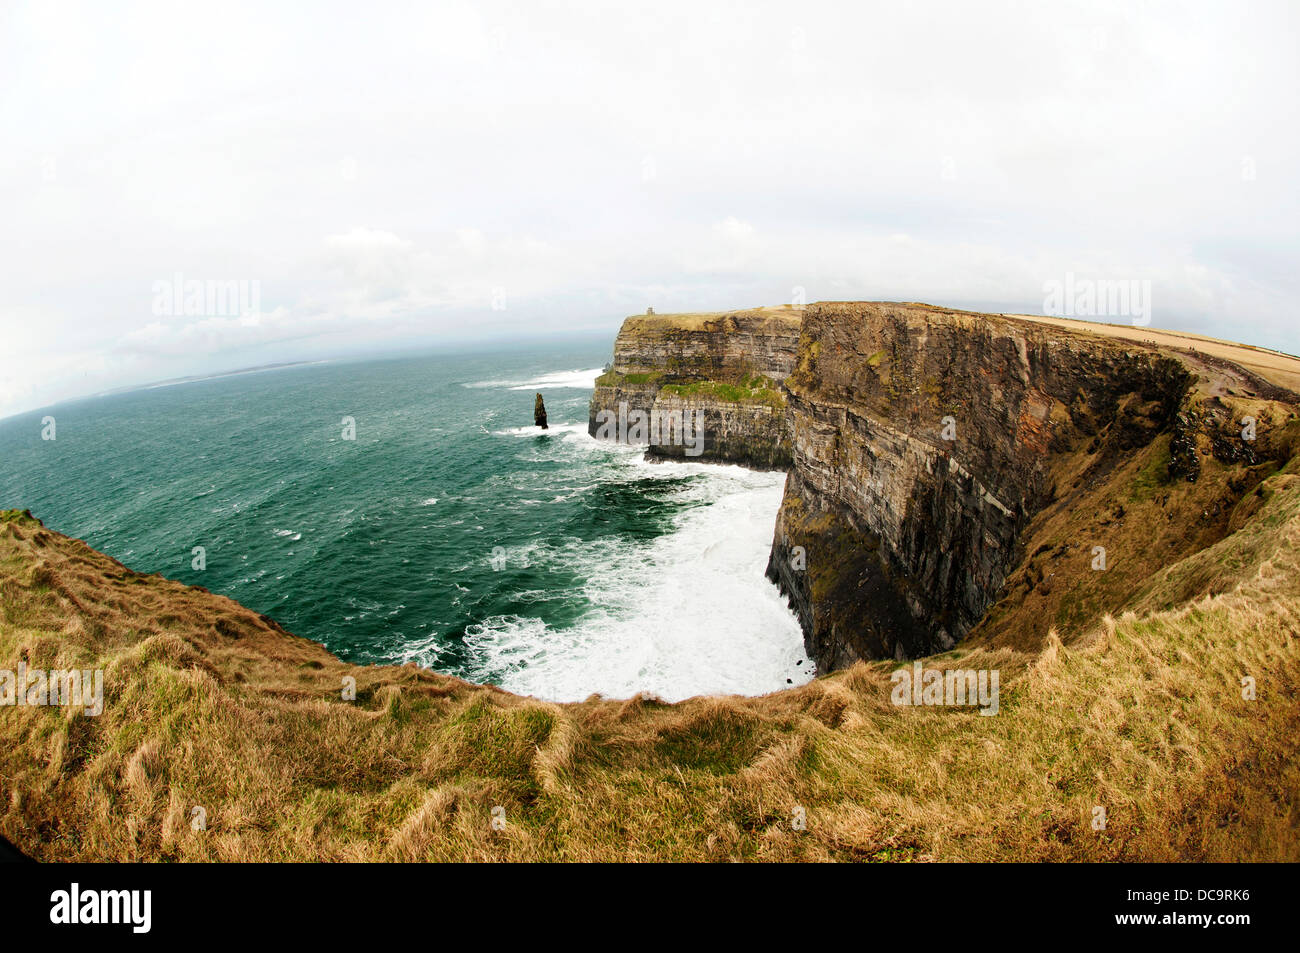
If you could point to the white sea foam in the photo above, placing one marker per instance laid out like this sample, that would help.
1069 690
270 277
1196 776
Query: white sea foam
555 430
584 380
689 613
577 379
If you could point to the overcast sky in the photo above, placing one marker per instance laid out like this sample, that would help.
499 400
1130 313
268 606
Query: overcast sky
421 174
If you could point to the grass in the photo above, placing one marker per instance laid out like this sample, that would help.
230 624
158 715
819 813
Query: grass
754 389
614 379
738 388
1153 475
1141 713
775 316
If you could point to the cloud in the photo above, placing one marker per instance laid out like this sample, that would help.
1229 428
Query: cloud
400 174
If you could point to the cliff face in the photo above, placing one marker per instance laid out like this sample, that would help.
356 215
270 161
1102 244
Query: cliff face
726 369
956 474
925 441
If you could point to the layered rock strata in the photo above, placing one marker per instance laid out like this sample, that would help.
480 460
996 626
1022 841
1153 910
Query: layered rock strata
722 371
927 448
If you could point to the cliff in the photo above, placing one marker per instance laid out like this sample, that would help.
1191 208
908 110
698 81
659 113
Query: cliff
934 449
949 470
727 368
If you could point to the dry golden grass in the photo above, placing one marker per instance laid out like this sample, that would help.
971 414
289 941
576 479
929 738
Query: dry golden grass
209 705
1142 519
1275 366
777 316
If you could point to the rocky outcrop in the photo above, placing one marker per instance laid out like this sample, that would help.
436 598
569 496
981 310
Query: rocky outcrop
539 413
925 441
722 370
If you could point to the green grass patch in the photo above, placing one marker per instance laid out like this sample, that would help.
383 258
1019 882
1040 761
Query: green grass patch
1153 477
747 390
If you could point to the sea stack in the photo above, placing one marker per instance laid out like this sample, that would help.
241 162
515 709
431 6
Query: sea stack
539 412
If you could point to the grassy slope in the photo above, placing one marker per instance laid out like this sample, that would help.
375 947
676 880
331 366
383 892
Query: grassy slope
1144 519
207 704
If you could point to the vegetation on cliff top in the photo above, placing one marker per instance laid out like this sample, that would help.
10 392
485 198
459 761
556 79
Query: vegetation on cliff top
208 705
774 316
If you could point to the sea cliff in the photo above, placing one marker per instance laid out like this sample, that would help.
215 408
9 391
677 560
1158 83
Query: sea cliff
946 467
1122 678
727 368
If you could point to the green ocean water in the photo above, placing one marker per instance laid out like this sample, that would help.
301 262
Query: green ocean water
450 532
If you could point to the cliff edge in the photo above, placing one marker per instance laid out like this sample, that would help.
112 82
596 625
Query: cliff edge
727 368
949 470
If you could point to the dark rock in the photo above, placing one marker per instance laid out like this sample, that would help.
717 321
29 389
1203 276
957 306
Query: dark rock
539 412
893 539
1183 461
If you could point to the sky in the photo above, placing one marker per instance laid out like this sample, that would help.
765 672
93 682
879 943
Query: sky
384 176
